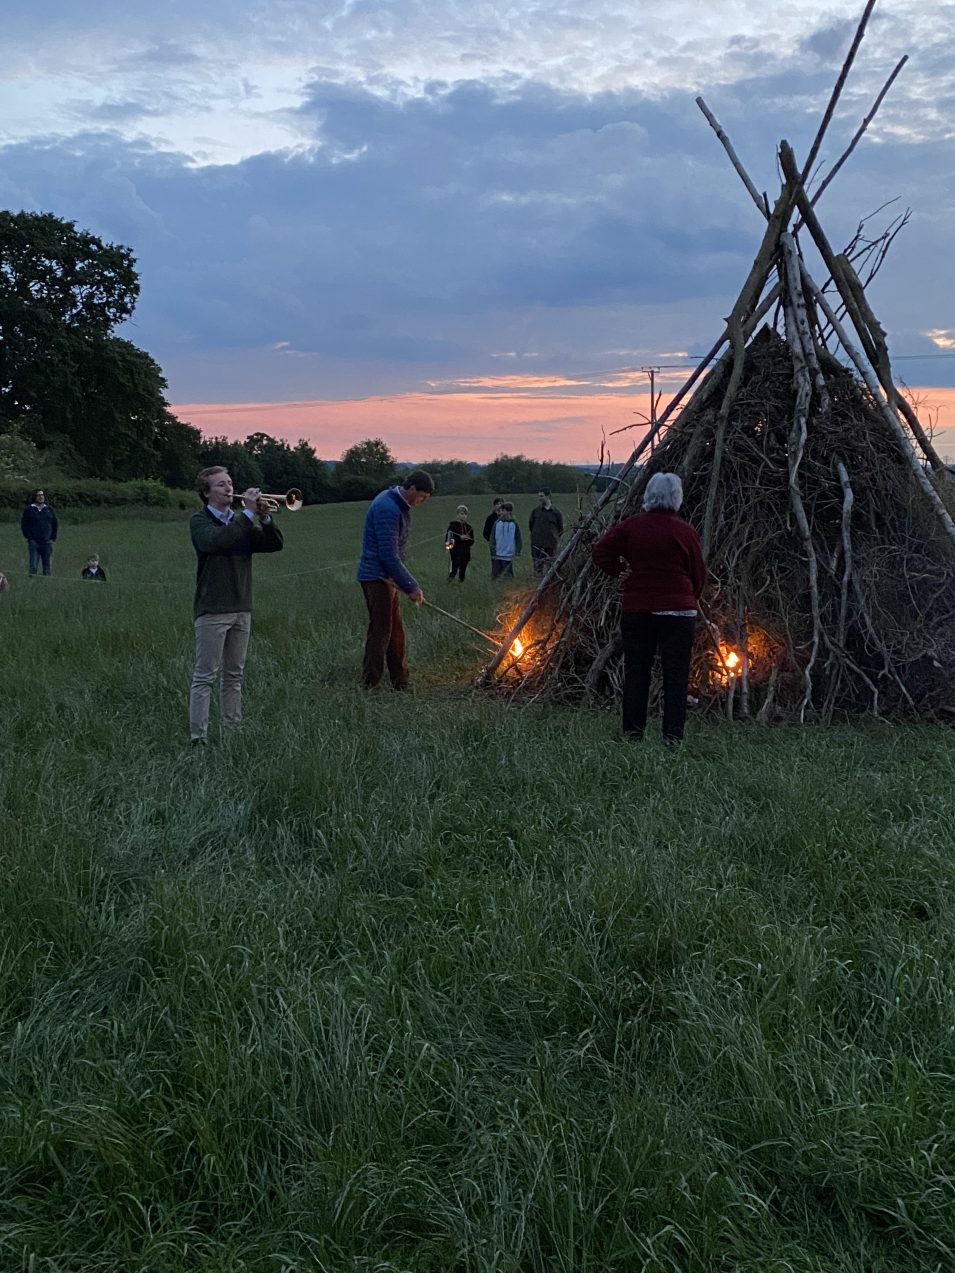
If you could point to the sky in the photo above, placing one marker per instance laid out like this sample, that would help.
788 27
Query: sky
464 226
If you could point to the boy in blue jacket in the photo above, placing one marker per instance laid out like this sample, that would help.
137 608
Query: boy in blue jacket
505 543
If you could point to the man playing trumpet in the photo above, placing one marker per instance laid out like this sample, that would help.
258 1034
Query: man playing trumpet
224 542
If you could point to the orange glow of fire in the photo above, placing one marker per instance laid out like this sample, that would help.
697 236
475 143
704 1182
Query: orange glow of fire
517 648
730 662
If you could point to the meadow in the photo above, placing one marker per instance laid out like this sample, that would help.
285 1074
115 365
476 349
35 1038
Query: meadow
436 984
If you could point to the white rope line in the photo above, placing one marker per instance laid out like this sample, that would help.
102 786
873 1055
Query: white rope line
188 580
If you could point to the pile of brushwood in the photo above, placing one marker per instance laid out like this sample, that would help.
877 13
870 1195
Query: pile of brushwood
825 511
857 616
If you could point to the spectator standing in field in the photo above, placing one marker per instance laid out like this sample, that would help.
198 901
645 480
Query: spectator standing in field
93 570
659 557
224 542
459 539
505 543
492 517
546 527
39 528
382 573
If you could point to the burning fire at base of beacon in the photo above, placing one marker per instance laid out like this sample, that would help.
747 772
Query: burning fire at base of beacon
732 663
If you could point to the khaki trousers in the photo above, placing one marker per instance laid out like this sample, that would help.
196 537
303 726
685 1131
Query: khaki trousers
222 642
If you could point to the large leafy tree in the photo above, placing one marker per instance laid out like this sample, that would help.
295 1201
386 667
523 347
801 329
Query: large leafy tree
66 381
369 458
517 473
284 466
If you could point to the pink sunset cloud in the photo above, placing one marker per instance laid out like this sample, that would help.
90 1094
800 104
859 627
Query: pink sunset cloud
476 425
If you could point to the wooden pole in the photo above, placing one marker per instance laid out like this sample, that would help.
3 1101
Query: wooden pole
837 91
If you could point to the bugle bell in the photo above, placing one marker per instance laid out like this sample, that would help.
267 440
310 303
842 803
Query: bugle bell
292 500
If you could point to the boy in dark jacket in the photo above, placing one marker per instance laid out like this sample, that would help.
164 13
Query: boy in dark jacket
459 539
93 570
492 517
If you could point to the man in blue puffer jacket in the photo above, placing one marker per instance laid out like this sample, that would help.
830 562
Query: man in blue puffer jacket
382 572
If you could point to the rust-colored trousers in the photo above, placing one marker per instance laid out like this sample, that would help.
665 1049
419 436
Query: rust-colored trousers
385 639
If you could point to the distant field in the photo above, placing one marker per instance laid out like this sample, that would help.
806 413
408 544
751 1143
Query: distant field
439 985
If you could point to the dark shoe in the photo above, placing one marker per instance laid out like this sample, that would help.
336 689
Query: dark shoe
672 743
633 735
198 742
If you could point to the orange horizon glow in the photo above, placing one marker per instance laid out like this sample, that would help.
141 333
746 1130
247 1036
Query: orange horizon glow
477 426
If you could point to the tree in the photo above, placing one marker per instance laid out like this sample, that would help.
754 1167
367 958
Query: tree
73 277
456 477
19 459
370 458
513 473
244 470
518 474
66 381
284 467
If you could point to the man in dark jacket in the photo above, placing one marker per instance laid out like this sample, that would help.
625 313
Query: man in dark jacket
382 573
38 525
546 527
224 542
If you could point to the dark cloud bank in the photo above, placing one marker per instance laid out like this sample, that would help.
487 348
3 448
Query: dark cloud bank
430 233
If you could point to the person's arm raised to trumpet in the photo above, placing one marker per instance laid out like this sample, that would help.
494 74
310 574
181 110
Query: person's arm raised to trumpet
253 501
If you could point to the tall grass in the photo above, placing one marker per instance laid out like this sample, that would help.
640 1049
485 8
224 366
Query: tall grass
432 984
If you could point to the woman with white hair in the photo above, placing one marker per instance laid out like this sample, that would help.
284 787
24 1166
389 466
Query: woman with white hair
659 557
458 541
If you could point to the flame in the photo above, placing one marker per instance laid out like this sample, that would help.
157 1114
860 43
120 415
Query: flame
517 648
730 662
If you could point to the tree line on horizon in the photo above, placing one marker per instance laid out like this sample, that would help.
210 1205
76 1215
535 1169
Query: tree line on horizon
79 402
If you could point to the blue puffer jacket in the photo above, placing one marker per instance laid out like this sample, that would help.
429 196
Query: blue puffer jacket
383 545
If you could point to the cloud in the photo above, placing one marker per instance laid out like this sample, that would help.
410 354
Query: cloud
391 227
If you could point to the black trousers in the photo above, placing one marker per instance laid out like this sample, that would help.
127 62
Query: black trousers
459 562
542 557
643 635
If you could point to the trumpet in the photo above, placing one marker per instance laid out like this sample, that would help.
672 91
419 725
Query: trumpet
292 500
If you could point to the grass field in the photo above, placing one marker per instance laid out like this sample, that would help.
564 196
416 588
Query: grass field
439 985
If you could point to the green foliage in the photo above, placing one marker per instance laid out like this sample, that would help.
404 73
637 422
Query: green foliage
270 464
19 458
371 459
243 467
284 466
91 493
440 984
513 474
66 381
456 477
49 268
351 487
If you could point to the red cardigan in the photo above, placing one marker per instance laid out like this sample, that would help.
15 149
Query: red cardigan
663 552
